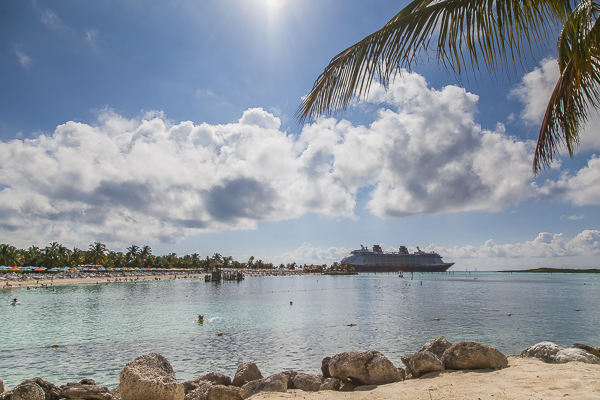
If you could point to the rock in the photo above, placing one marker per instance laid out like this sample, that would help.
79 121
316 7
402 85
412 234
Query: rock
274 383
220 392
587 348
437 347
115 393
246 372
289 374
422 362
189 386
347 386
87 381
1 386
365 388
364 368
330 384
51 391
325 367
89 392
545 351
216 378
572 354
307 382
25 391
149 377
200 392
473 355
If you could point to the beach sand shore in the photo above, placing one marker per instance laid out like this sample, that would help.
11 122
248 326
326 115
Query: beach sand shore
99 279
524 378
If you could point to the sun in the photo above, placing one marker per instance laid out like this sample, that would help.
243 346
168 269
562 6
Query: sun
276 3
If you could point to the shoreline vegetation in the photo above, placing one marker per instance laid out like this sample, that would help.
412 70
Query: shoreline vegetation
439 370
558 271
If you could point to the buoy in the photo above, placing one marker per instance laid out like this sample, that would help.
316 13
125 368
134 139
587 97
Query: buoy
55 345
220 334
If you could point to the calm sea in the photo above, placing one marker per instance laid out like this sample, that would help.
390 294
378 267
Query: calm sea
99 328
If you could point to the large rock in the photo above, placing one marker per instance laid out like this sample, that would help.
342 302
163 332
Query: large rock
473 355
364 368
216 378
330 384
88 392
274 383
422 362
51 391
1 386
545 351
572 354
25 391
592 350
437 347
246 372
325 367
149 377
306 382
200 392
220 392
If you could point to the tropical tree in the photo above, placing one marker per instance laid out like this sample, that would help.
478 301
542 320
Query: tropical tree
97 253
492 35
9 255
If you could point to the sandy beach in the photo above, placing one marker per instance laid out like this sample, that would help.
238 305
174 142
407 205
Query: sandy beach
97 280
525 378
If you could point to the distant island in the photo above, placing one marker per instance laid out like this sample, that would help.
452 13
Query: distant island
560 270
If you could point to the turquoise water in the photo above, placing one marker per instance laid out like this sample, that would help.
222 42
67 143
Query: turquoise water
99 328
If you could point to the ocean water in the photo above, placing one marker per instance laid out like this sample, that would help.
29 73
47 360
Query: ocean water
99 328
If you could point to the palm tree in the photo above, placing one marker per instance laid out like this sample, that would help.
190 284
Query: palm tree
97 253
493 35
9 255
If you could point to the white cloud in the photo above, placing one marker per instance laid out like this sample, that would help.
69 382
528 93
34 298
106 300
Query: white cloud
535 91
150 179
546 250
24 59
50 19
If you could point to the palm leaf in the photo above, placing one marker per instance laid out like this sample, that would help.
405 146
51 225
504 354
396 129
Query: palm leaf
578 87
489 34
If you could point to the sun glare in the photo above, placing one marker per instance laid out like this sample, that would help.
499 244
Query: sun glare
276 3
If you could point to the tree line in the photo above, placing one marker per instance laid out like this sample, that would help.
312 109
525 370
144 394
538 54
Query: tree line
55 255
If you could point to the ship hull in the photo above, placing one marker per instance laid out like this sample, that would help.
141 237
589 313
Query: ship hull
404 268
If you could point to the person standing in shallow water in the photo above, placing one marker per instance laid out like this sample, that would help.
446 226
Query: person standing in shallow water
14 302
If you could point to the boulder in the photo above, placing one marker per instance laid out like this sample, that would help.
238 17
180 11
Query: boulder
87 381
115 393
587 348
330 384
246 372
25 391
216 378
89 392
51 391
325 367
545 351
572 354
437 347
290 374
149 377
274 383
200 392
422 362
1 386
220 392
306 382
473 355
347 386
364 368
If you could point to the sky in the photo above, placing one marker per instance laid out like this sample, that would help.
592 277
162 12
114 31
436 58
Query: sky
171 124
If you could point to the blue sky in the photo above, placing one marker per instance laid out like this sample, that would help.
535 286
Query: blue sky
171 124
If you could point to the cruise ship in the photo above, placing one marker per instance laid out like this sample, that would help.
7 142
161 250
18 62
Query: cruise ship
376 260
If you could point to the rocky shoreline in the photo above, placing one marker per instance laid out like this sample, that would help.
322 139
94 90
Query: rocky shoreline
151 376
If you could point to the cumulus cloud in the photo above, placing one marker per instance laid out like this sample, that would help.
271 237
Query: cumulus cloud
545 250
151 179
535 91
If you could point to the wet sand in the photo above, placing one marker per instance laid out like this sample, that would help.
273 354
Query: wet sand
96 280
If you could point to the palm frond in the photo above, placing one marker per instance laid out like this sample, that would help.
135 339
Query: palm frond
578 87
489 34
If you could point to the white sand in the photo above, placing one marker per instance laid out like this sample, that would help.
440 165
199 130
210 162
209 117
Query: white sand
524 378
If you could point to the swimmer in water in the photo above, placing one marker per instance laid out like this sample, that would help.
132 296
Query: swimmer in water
15 302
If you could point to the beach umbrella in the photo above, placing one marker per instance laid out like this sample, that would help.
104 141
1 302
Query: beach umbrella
53 270
92 270
14 269
101 269
39 270
3 268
